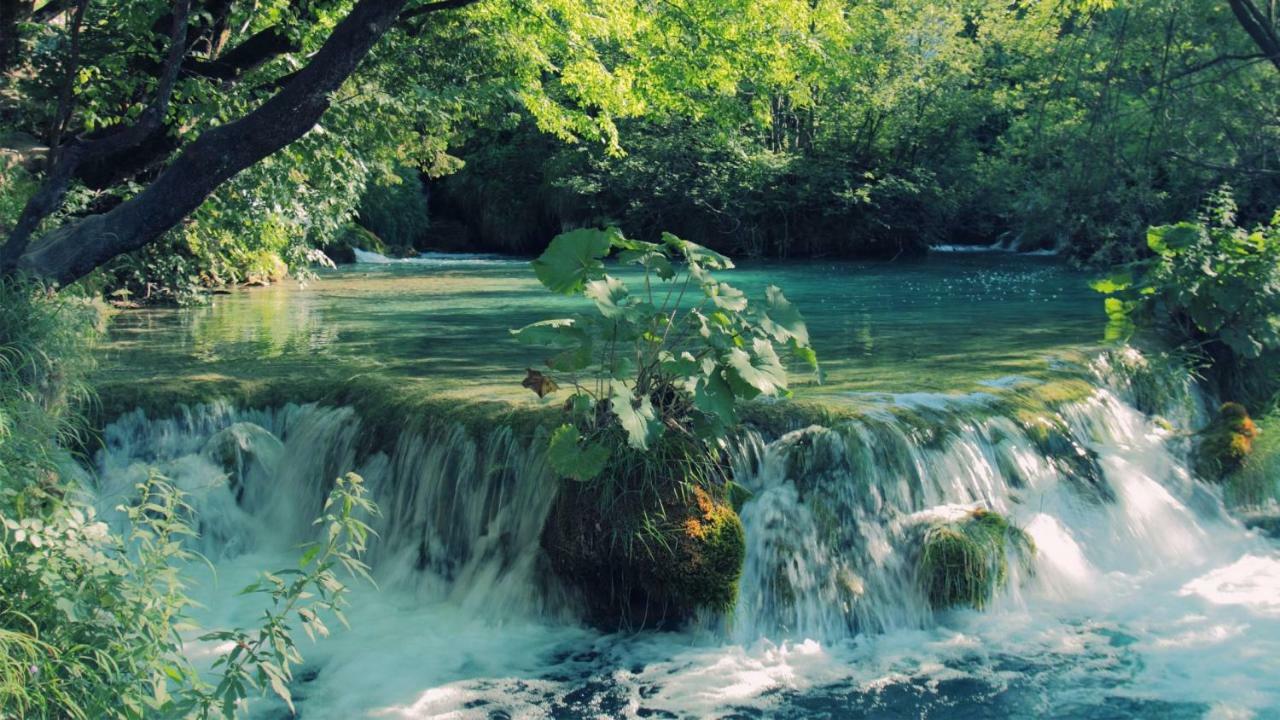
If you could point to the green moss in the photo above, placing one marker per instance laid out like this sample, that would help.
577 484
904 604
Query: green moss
1226 443
1255 484
964 563
707 555
653 539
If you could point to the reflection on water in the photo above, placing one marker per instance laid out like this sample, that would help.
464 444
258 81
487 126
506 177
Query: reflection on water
938 325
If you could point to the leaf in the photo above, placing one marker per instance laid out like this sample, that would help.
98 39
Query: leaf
756 373
782 320
635 416
806 355
608 293
696 253
572 259
569 459
726 297
713 396
558 333
539 383
1169 239
650 256
1113 283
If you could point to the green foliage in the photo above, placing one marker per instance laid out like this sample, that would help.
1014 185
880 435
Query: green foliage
91 621
263 658
91 616
1213 288
965 562
394 209
44 355
674 356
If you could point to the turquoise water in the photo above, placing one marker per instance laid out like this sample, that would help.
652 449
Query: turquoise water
948 323
1145 598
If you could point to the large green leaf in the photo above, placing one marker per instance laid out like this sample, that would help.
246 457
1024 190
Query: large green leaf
713 396
782 320
569 458
1169 239
758 372
608 293
572 259
636 416
727 297
696 253
650 256
557 333
564 335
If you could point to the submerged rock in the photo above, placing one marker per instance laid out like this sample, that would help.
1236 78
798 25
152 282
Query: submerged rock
640 560
241 449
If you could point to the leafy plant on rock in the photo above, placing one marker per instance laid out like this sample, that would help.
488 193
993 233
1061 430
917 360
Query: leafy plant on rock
673 357
654 375
1212 288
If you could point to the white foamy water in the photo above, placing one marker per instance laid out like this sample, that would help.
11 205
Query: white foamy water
1144 598
436 259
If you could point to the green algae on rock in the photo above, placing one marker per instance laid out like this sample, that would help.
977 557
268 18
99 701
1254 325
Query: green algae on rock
1226 442
965 562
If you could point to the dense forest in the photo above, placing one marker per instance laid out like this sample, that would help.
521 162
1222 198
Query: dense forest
433 306
767 129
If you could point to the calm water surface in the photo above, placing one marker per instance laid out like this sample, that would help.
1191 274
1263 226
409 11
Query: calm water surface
947 323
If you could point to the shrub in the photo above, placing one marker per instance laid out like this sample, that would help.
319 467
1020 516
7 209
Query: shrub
1213 289
89 619
655 379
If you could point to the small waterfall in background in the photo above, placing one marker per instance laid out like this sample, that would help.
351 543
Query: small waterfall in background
1138 583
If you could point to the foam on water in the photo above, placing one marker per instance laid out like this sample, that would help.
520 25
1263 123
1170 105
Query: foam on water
436 259
1144 599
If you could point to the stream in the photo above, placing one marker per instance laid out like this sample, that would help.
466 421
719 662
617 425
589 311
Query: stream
1144 599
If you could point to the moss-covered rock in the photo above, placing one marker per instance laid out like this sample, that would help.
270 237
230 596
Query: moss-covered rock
646 553
342 248
964 562
1226 442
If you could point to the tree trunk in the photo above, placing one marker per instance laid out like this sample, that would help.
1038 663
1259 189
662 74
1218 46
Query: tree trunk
12 12
71 251
1261 26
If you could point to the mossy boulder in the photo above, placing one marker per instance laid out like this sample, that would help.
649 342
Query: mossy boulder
243 448
1226 443
964 561
646 559
342 248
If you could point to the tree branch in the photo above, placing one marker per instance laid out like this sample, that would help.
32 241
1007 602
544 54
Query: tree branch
253 53
54 189
1260 27
71 251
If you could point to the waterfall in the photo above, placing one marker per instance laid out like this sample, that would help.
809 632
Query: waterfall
461 517
1134 557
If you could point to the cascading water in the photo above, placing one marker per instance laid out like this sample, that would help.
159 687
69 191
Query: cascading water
1135 604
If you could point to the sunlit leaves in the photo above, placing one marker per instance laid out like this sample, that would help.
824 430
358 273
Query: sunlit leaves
700 354
609 294
758 372
635 415
1208 284
781 319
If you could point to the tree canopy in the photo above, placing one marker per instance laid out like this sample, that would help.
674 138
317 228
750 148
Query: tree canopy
187 141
